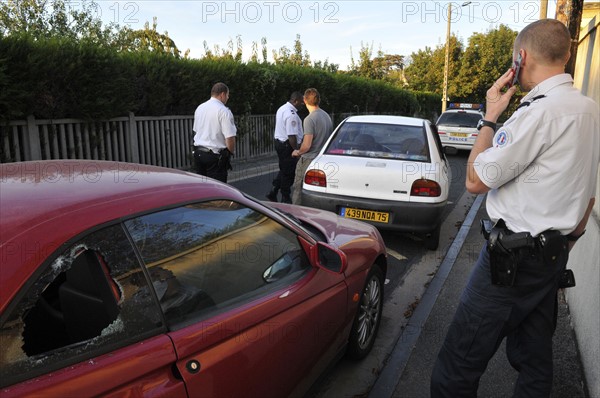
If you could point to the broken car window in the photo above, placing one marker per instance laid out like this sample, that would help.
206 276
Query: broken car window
87 299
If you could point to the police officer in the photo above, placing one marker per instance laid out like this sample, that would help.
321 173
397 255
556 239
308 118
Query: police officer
288 136
214 141
539 170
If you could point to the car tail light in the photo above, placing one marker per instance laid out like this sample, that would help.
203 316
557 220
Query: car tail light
425 187
316 178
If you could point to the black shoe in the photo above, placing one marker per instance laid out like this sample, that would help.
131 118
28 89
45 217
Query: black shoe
286 199
272 196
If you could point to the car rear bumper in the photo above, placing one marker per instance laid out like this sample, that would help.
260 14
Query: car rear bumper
409 217
457 144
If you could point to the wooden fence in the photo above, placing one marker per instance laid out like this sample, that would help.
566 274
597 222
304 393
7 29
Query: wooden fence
162 141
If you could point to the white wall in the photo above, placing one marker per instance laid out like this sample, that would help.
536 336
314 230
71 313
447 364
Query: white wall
584 299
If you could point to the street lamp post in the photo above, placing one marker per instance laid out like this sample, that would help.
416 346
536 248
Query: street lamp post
447 60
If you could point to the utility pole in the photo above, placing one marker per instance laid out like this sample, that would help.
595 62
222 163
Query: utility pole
569 12
543 9
447 60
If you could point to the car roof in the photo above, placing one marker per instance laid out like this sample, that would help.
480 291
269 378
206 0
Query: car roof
386 119
46 203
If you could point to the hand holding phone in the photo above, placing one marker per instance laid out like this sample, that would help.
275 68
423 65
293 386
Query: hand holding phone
515 68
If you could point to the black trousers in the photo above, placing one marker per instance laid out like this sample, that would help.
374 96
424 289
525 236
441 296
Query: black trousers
524 314
207 164
287 168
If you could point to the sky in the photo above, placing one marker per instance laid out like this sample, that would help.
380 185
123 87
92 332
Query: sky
329 30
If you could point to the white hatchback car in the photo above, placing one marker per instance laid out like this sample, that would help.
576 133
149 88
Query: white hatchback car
389 171
458 127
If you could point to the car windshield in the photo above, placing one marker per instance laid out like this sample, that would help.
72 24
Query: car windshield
459 119
380 140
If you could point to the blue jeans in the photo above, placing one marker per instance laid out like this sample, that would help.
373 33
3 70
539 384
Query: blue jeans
525 314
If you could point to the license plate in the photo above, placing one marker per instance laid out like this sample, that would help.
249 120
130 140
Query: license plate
464 135
365 215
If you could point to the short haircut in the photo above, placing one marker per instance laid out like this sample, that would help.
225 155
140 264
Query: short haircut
219 88
312 97
548 39
296 96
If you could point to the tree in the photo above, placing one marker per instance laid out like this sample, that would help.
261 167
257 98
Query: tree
225 53
147 39
43 19
392 66
388 67
326 66
486 58
51 18
425 71
297 57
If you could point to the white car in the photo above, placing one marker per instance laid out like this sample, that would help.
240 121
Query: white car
389 171
458 127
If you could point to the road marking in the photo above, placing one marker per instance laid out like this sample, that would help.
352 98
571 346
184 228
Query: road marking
395 254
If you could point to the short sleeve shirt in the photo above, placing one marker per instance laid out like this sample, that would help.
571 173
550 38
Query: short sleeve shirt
543 163
319 125
288 123
213 122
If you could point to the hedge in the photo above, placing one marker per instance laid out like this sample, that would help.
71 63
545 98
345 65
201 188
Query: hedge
60 78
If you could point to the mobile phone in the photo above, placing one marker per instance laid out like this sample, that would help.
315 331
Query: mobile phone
515 68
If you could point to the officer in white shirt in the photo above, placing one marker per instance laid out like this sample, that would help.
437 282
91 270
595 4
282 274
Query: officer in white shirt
214 141
288 136
539 171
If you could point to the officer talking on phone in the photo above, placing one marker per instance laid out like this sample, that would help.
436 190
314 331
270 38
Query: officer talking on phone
539 171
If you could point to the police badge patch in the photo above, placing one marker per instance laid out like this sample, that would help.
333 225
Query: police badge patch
501 139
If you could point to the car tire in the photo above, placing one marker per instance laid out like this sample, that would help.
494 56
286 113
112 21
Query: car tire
432 239
368 316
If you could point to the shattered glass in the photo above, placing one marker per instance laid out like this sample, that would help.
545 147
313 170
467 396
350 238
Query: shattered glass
35 338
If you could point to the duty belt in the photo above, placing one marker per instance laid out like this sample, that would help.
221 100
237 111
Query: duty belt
203 148
500 234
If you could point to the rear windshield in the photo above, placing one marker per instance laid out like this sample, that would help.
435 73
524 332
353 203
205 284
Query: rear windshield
459 119
380 141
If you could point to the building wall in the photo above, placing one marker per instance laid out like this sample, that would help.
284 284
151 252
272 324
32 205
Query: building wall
584 299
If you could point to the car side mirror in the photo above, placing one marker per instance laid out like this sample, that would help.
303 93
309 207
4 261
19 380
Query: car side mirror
330 258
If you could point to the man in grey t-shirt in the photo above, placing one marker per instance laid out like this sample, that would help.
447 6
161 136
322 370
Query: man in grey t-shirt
317 129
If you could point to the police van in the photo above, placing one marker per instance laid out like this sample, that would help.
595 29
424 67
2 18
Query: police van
457 127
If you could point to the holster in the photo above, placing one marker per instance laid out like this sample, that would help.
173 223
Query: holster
503 247
224 161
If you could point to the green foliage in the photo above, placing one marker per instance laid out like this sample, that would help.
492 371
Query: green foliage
147 39
429 105
54 18
487 57
426 70
471 71
56 77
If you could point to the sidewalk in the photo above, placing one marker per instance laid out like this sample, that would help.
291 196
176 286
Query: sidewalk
408 369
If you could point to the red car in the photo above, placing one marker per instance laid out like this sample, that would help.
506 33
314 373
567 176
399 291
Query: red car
130 280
